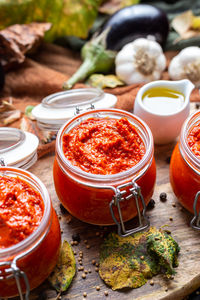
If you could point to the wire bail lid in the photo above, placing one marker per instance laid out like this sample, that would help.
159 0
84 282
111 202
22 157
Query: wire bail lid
18 148
12 271
57 108
195 222
134 195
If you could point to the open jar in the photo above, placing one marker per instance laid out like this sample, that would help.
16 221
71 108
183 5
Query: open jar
185 164
106 199
26 264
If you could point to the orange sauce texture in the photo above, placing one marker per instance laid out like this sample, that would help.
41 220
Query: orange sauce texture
193 140
21 210
104 146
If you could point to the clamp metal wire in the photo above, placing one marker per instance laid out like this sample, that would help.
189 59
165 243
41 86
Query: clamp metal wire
135 194
195 222
12 271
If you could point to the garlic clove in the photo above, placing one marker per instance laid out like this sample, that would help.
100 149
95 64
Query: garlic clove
124 70
126 55
154 50
155 75
161 63
175 70
189 55
141 43
186 65
138 77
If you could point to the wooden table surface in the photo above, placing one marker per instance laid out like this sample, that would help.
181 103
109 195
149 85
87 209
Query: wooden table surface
187 278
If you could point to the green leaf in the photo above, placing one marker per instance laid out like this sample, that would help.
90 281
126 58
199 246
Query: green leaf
164 248
72 18
64 270
130 261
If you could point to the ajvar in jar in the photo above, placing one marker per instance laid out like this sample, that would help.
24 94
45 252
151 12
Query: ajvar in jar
185 163
29 231
99 150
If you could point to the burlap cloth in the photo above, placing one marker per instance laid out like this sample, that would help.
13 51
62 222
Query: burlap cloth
45 72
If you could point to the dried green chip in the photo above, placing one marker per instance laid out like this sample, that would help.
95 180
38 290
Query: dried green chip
64 270
103 81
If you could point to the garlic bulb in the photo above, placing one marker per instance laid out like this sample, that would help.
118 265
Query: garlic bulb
140 61
186 65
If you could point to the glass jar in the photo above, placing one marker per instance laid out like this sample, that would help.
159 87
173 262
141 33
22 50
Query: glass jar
104 199
28 263
185 166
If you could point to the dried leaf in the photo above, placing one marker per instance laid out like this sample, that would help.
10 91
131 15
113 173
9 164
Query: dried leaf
182 23
165 249
31 126
130 261
8 113
186 25
6 106
11 117
72 18
102 81
17 40
64 270
111 6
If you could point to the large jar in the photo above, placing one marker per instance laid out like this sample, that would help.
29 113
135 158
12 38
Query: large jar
185 164
92 197
30 261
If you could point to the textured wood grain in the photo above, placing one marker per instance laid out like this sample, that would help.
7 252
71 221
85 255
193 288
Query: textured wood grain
187 278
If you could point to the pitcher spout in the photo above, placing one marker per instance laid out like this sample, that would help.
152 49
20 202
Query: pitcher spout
185 86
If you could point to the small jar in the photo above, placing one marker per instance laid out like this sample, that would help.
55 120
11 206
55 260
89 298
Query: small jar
98 199
29 262
185 166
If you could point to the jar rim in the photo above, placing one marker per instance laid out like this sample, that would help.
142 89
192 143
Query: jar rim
99 178
38 235
186 151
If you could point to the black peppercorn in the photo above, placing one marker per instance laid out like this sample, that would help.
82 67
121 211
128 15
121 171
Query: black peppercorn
168 159
163 197
197 105
76 237
63 209
151 204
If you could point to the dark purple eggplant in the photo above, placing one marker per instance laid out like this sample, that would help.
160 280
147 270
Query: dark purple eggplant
2 77
132 22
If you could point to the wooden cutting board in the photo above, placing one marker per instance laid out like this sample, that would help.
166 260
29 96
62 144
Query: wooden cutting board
187 278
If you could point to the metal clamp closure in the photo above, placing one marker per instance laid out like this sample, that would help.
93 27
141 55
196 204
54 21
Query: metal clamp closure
78 110
2 162
135 194
195 222
12 271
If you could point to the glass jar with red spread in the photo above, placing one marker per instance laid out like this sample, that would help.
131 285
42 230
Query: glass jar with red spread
29 232
185 163
104 162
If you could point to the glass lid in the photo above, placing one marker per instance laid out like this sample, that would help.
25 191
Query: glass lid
72 98
17 148
10 138
56 109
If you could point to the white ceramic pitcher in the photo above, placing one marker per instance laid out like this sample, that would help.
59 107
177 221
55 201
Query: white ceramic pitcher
165 127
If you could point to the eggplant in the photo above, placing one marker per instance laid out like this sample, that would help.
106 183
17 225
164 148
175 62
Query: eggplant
2 77
132 22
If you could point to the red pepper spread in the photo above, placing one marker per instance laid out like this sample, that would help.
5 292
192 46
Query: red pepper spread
104 146
193 140
21 210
